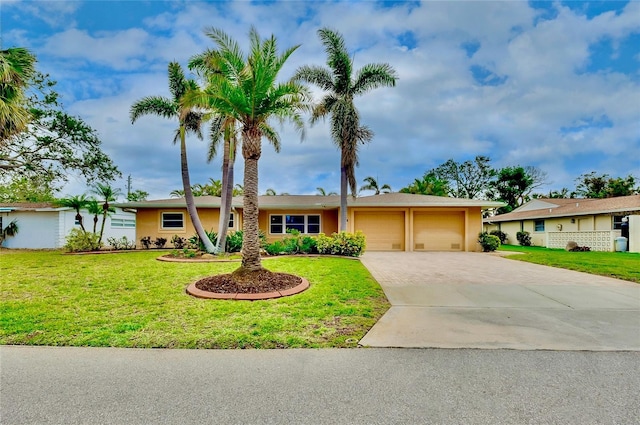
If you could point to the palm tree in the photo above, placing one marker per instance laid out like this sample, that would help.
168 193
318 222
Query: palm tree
178 193
189 121
108 194
372 184
10 230
244 88
342 86
94 208
16 70
76 202
322 192
270 192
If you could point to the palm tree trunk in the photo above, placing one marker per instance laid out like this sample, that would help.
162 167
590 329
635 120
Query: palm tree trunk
188 195
104 219
225 198
250 237
343 199
251 151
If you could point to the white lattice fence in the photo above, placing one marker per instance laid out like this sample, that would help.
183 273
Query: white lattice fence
597 240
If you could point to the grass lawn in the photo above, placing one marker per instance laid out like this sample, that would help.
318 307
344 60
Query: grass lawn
621 265
133 300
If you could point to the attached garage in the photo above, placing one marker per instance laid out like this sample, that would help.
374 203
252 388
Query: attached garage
438 231
385 230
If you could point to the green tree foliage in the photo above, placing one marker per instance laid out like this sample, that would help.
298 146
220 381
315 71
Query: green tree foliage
137 195
323 192
244 87
16 71
55 144
593 185
429 184
342 84
189 121
469 179
9 230
106 194
77 202
23 189
513 185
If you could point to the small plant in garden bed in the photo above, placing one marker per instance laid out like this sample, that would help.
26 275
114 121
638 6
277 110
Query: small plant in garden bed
160 242
178 242
121 244
146 242
524 238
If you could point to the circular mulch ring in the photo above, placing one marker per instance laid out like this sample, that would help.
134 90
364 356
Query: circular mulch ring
264 285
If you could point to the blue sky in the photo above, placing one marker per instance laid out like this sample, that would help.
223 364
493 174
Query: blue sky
550 84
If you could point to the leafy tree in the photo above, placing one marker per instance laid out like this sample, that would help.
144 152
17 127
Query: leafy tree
372 184
23 189
592 185
106 194
469 179
16 71
189 121
55 144
428 185
244 88
341 87
137 195
77 202
323 192
513 186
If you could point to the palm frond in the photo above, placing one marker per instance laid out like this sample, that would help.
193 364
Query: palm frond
153 105
372 76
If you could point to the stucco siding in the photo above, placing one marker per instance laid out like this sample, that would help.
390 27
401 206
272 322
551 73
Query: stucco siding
36 230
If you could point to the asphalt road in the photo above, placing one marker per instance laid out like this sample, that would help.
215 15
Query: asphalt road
48 385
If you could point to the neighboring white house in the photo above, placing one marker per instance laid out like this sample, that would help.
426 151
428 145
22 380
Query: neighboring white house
595 223
43 225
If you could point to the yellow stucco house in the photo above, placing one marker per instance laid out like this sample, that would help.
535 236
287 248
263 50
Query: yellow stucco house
552 223
390 222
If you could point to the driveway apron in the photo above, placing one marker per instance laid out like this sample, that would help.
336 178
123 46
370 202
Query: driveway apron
479 300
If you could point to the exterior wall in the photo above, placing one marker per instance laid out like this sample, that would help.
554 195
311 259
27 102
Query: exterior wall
149 222
596 240
49 229
36 230
634 233
328 221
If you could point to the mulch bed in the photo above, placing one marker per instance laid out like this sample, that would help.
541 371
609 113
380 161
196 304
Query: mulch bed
262 281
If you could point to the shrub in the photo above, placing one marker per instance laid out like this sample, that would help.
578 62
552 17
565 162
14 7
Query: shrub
122 243
342 243
78 241
489 242
196 243
501 235
178 242
580 249
234 241
160 242
524 238
275 248
146 242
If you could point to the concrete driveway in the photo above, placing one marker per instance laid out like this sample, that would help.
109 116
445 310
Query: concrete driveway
478 300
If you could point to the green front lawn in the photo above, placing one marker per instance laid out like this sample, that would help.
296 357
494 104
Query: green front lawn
621 265
133 300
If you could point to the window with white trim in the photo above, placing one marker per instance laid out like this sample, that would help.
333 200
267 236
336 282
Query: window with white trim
123 223
304 223
172 220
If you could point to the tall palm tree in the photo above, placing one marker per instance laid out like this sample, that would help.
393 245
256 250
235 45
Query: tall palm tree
323 192
189 122
342 86
372 184
77 202
107 194
244 88
16 70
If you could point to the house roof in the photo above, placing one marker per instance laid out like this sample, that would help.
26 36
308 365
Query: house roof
552 208
29 206
323 202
